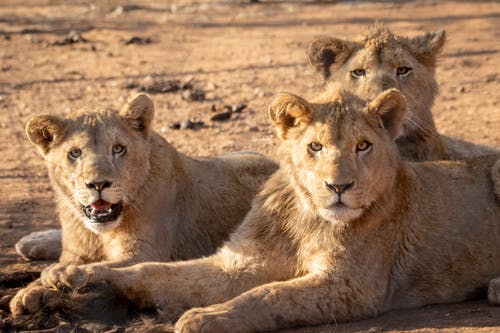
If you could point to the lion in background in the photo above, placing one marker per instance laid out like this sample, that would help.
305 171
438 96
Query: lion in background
125 195
344 230
381 60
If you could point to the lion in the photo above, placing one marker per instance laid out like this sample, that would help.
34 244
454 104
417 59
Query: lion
345 229
125 195
381 60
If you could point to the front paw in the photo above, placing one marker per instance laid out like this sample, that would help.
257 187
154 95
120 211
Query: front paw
65 277
34 298
216 318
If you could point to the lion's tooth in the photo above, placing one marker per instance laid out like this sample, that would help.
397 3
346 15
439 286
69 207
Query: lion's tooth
110 210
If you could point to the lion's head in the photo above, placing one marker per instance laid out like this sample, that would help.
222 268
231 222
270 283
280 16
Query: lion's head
382 60
97 161
340 154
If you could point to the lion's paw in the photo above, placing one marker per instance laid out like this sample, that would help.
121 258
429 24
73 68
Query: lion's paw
217 318
494 291
64 277
42 245
33 298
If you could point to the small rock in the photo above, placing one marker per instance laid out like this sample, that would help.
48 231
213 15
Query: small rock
221 116
193 95
211 86
462 89
7 224
116 12
162 86
72 38
491 78
253 129
237 108
187 124
138 40
186 82
130 85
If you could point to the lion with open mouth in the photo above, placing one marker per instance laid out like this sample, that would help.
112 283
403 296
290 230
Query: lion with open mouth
124 193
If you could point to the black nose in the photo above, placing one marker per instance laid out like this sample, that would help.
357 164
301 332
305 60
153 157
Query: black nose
339 188
98 186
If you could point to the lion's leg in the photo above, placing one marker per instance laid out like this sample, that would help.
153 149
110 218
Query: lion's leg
41 245
309 300
172 287
494 291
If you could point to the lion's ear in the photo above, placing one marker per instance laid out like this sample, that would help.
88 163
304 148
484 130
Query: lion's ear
329 53
426 48
289 114
139 113
45 132
389 110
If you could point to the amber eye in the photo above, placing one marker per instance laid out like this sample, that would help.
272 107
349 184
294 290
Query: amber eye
118 150
75 153
402 71
359 72
315 147
362 146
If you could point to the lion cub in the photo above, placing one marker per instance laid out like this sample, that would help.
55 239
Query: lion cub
125 194
344 230
381 60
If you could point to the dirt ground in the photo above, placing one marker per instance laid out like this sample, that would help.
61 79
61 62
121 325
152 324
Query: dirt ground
229 53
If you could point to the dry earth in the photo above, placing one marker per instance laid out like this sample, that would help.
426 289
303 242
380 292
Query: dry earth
235 52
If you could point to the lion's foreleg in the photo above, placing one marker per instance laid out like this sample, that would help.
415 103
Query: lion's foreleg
309 300
170 287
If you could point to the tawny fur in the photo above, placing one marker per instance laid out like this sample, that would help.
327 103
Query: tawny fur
175 207
404 235
393 61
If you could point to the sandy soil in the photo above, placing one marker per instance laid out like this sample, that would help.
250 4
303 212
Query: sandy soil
235 52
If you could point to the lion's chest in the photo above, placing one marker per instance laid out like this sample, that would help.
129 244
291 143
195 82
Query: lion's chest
116 247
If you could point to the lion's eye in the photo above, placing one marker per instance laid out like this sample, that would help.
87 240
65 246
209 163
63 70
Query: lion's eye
118 150
359 72
402 71
75 153
315 147
362 146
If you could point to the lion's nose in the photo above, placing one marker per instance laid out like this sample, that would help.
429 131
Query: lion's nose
339 188
98 186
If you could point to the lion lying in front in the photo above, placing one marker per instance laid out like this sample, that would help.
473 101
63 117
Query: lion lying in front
344 230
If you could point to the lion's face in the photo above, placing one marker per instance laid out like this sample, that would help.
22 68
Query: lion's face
341 155
383 61
98 161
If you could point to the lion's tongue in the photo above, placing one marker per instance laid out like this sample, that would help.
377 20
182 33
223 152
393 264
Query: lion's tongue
100 205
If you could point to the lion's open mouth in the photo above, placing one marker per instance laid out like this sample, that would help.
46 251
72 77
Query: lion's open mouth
102 211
